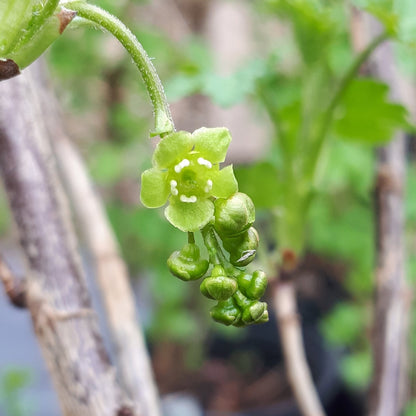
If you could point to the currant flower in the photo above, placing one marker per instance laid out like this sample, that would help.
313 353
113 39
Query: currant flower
186 171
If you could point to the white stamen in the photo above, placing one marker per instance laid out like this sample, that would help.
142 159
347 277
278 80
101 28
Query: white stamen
191 199
173 185
209 186
182 164
204 162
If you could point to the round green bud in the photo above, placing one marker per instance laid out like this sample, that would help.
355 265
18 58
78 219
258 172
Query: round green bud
226 312
187 264
234 215
245 249
254 312
218 288
252 285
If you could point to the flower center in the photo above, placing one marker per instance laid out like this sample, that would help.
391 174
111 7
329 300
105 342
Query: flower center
190 179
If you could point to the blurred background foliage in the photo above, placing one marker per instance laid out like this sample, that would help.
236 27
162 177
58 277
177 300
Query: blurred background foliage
99 86
108 114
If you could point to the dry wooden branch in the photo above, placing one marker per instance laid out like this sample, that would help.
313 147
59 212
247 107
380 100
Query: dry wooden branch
391 306
112 278
284 302
56 295
14 288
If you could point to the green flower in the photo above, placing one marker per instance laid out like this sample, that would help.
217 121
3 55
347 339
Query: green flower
186 170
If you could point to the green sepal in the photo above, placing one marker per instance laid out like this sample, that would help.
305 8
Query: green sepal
187 263
154 190
226 312
252 285
224 183
171 149
234 215
212 143
189 217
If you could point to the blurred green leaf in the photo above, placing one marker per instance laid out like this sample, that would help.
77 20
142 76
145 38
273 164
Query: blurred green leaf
260 182
344 324
366 114
357 369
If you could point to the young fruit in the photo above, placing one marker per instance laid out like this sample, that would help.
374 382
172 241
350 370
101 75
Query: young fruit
187 263
218 286
226 312
233 215
252 285
242 248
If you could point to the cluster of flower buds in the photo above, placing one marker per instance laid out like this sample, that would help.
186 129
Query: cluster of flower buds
186 173
236 291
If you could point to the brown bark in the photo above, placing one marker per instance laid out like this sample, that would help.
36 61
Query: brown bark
390 380
132 359
57 298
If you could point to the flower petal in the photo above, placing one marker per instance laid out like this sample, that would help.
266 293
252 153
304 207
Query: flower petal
189 216
224 184
212 143
172 148
155 188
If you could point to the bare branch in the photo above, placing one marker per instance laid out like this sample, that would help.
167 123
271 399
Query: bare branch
133 361
73 348
284 301
390 381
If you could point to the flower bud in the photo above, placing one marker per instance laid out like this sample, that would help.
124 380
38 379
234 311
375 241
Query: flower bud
226 312
254 312
218 286
253 286
234 215
187 264
243 250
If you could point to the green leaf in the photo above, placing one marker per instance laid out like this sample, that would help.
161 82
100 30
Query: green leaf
155 188
260 181
366 114
172 148
189 216
224 183
356 369
212 143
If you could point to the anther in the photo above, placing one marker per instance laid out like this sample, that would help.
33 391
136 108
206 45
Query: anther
191 199
182 164
203 162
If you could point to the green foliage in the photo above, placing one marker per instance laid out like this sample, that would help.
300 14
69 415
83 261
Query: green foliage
13 381
367 115
357 369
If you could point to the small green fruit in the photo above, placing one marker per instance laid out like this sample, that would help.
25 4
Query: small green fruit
254 312
187 264
253 286
226 312
218 288
234 215
245 249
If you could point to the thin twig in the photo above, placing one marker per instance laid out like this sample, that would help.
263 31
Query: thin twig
390 381
284 301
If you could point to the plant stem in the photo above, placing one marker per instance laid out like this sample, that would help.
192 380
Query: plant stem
339 92
163 120
215 251
191 238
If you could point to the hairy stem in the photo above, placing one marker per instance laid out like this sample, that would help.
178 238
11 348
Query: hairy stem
101 18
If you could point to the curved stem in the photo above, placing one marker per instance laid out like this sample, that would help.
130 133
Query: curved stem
163 120
339 92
